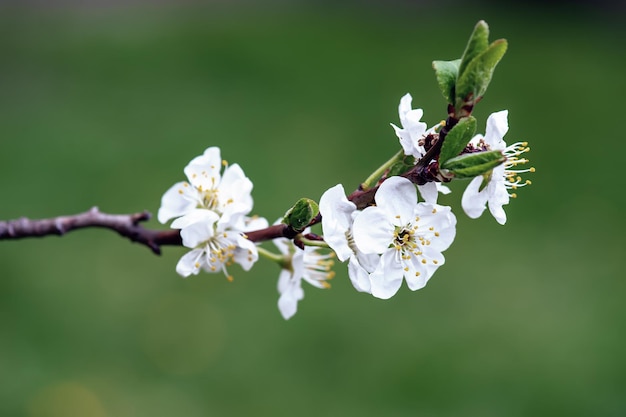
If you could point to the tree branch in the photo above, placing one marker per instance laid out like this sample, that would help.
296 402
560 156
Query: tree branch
127 225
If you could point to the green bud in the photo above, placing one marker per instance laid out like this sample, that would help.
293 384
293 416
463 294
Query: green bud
472 164
301 214
457 139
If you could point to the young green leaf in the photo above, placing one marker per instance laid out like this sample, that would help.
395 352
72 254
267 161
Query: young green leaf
473 82
456 140
472 164
447 73
478 42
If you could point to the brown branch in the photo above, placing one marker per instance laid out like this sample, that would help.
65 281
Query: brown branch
127 225
273 232
279 230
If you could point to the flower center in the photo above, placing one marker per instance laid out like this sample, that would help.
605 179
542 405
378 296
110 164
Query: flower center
220 253
409 243
513 180
210 199
406 240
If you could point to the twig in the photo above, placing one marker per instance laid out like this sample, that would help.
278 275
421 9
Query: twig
127 225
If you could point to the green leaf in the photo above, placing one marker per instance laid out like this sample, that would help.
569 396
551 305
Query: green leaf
472 164
456 140
473 82
447 73
478 42
301 214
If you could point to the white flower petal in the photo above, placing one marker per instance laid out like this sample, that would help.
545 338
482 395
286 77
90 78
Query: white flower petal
246 253
405 105
337 214
177 201
290 295
397 197
434 259
290 286
387 279
411 122
474 201
190 263
429 192
437 224
359 276
195 216
409 147
417 275
497 126
412 128
196 234
234 190
372 230
204 171
196 227
255 223
497 211
443 189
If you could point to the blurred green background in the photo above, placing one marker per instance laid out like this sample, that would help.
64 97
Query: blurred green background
106 105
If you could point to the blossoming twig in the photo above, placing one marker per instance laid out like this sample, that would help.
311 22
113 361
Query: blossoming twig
390 230
127 225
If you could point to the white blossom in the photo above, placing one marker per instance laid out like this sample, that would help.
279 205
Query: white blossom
504 177
413 130
227 193
215 245
411 136
306 264
337 219
409 236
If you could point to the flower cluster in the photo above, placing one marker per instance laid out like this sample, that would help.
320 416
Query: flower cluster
392 228
211 210
397 239
402 239
399 236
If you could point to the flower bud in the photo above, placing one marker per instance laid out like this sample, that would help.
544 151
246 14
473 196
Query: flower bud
301 214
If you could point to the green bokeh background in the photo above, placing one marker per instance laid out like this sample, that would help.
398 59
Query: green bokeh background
105 106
